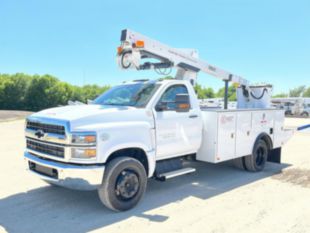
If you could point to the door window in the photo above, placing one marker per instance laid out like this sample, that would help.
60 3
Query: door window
168 98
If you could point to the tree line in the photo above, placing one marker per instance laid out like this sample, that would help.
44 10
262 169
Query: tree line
35 92
301 91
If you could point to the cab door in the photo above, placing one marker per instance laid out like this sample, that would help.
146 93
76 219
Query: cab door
177 133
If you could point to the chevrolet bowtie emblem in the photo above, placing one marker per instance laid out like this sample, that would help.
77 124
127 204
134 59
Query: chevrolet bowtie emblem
39 133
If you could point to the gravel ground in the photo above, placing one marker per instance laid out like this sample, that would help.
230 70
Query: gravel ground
217 198
8 115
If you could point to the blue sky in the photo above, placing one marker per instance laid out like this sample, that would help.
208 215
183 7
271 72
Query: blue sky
263 41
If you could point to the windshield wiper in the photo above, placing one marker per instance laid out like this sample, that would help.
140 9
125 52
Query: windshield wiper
111 104
116 104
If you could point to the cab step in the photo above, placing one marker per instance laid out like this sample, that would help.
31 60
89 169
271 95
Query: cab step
171 174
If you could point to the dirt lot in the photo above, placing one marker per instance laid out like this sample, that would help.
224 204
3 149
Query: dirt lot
6 115
217 198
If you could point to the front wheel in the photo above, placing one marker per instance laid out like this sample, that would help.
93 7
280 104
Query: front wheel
123 185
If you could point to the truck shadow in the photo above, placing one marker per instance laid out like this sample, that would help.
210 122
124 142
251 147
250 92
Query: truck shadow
53 209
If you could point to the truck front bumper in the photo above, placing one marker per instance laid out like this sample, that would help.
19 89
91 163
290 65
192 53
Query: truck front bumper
80 177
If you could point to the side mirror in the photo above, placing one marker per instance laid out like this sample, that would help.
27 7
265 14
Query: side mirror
161 106
182 103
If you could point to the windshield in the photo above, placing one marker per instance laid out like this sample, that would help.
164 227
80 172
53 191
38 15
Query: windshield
137 95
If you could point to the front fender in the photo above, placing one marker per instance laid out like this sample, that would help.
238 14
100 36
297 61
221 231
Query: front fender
116 136
120 136
150 154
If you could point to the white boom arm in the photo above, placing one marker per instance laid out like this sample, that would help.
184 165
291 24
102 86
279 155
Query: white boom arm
135 47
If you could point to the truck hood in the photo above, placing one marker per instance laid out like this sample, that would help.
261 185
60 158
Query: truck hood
82 116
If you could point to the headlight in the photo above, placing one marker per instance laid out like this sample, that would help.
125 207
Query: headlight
79 153
84 138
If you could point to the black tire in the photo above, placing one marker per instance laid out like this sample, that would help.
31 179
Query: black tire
123 185
257 160
305 114
288 113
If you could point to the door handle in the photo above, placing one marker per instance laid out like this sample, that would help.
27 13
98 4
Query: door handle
193 116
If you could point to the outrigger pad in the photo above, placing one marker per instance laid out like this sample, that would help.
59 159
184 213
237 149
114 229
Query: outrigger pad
274 155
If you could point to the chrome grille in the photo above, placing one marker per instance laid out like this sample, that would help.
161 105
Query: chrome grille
46 128
47 149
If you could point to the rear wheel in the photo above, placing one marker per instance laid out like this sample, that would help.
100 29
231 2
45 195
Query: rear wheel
257 160
123 185
305 114
288 113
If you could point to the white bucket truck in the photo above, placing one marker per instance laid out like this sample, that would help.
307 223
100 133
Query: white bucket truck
144 129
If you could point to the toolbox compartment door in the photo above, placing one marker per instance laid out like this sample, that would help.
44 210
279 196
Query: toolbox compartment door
226 146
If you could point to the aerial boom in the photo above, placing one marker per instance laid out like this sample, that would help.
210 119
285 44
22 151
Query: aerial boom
135 47
140 52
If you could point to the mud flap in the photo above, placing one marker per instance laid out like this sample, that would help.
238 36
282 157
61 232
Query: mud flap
274 155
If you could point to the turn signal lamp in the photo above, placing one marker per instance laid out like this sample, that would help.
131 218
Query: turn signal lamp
90 153
183 106
90 138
